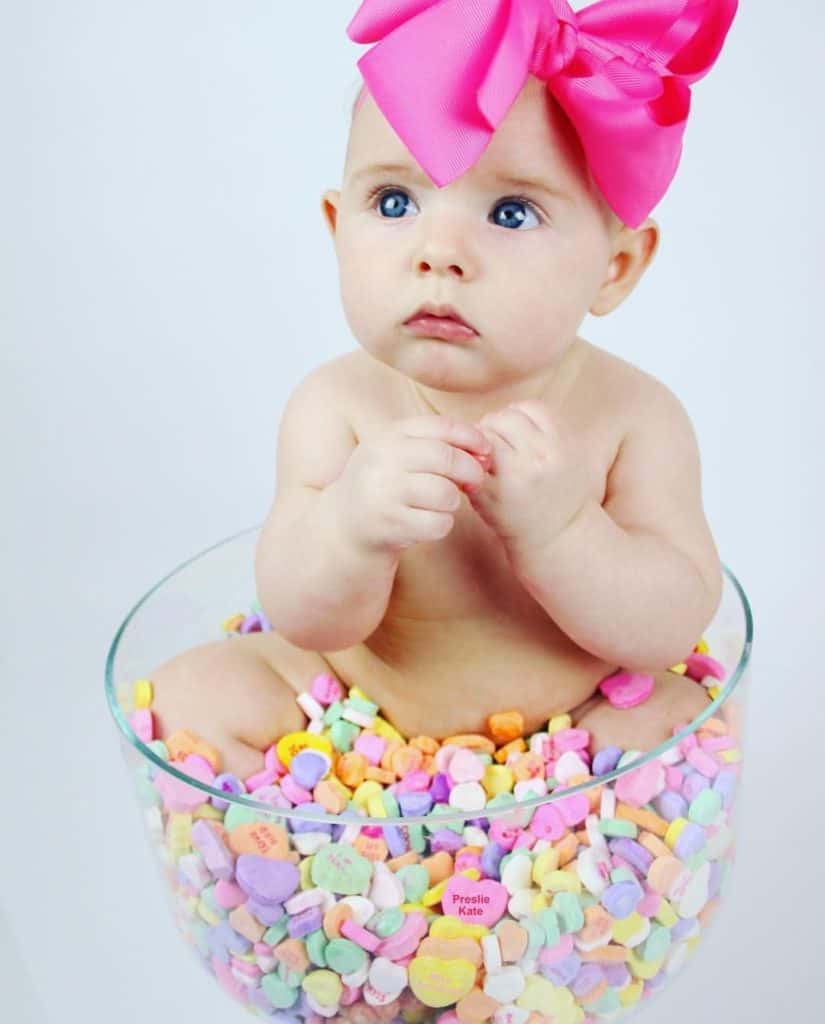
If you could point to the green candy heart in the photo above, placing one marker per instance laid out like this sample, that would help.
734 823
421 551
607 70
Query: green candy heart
345 957
340 868
280 995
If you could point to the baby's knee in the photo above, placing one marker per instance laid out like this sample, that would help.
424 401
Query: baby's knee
227 694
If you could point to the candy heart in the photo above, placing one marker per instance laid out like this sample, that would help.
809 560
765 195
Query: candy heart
439 983
452 949
387 890
513 940
573 809
405 941
547 823
387 978
340 868
179 797
293 743
215 855
627 689
465 766
639 786
261 838
266 881
481 902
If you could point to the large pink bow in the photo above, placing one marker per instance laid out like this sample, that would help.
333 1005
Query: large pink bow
445 73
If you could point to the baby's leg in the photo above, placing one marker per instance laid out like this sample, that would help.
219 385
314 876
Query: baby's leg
676 700
238 694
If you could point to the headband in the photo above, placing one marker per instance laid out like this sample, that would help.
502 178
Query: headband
445 72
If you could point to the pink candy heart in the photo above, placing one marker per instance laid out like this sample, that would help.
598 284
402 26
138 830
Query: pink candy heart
627 689
179 797
474 902
547 823
641 785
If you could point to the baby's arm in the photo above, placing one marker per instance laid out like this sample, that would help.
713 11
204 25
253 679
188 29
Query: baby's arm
636 581
318 589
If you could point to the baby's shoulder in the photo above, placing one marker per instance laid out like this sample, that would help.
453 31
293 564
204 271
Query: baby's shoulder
635 397
369 392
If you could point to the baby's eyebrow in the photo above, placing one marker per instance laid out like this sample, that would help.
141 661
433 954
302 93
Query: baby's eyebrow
515 181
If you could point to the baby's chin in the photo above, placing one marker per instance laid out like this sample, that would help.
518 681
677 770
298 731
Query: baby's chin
449 367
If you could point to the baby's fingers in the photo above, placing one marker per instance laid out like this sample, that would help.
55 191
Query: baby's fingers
444 428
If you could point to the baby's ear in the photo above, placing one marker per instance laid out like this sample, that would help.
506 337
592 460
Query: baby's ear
633 252
330 201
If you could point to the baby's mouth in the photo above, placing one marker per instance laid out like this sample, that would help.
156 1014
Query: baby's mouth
443 328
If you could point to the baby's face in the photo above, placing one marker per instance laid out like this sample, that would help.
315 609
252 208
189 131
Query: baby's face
521 264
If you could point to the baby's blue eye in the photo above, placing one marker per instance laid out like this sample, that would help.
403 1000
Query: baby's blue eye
393 201
515 212
390 204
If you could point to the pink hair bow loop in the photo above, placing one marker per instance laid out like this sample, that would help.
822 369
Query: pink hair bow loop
446 72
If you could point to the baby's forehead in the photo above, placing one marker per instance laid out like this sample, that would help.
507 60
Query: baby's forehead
535 141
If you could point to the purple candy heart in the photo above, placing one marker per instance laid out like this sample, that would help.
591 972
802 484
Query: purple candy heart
266 881
589 976
440 788
414 804
308 768
622 898
606 760
266 914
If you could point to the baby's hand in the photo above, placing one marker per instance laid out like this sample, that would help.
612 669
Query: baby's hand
402 487
538 480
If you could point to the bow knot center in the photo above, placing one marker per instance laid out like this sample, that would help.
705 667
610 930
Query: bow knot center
555 47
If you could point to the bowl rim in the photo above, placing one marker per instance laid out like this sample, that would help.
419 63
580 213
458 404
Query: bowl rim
505 810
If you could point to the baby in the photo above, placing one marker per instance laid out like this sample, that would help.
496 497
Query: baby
477 510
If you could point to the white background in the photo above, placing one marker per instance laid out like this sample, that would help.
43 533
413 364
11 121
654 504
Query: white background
166 280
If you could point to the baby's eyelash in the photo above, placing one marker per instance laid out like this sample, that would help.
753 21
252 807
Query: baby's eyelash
380 189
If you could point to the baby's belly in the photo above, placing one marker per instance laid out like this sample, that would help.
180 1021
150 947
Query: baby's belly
445 677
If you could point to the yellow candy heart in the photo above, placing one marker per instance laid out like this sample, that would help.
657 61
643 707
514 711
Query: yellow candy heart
626 928
452 928
544 997
294 742
438 982
324 987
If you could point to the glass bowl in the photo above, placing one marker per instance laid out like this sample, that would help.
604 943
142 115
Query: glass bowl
568 908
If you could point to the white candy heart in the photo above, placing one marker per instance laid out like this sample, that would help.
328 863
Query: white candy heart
527 789
520 905
386 890
568 766
468 796
387 978
517 873
505 986
362 908
475 836
587 866
309 843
